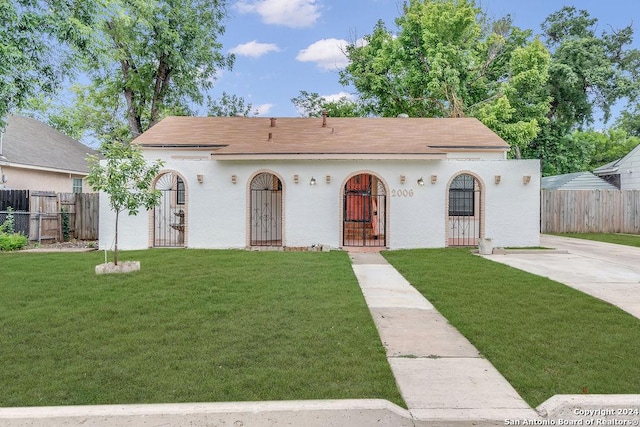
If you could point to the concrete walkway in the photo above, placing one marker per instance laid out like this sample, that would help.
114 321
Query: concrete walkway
604 270
441 376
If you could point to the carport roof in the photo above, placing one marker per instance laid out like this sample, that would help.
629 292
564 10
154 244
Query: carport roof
575 181
243 137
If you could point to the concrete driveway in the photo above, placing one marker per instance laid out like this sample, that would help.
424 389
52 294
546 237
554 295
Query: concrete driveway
604 270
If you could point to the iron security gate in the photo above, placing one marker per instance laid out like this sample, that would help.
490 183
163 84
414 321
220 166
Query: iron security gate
465 213
170 214
266 210
364 212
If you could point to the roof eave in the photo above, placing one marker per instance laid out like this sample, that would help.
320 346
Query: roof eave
474 148
42 168
184 146
328 156
606 171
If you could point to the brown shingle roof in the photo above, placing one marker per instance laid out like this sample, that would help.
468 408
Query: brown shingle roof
239 136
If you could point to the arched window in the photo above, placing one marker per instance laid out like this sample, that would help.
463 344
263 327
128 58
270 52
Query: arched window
462 196
180 193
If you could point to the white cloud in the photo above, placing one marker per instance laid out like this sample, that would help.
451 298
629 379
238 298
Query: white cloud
338 96
254 49
290 13
328 54
262 109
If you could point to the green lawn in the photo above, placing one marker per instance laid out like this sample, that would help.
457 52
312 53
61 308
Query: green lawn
620 239
544 337
191 326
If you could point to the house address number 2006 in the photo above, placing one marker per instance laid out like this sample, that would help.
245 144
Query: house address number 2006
401 193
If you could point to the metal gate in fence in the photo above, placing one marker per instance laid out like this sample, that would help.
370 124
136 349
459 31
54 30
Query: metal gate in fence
364 212
16 202
169 216
465 213
266 210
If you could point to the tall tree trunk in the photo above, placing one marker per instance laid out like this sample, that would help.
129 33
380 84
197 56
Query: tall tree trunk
159 90
133 118
128 67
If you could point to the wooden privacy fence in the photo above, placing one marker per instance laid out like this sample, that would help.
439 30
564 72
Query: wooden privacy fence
590 211
43 214
83 212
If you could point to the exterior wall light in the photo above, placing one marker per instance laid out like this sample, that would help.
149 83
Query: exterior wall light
434 179
497 179
526 179
313 181
296 179
200 178
328 179
402 179
234 179
420 182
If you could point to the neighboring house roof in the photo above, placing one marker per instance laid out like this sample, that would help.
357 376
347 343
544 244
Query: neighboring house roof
27 142
575 181
613 168
244 137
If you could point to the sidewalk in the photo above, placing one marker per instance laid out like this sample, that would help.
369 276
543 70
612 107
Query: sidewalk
441 376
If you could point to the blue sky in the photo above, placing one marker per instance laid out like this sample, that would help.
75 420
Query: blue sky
284 46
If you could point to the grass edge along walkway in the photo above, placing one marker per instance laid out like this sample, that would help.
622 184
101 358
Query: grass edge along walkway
544 337
616 238
191 326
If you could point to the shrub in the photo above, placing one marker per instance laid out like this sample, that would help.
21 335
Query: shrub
12 242
8 226
9 240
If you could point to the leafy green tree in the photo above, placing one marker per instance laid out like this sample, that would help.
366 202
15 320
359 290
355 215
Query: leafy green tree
228 106
587 150
518 113
311 104
126 177
629 121
37 44
588 74
608 146
153 59
449 60
92 118
569 152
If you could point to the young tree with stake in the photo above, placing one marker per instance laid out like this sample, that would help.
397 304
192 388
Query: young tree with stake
126 177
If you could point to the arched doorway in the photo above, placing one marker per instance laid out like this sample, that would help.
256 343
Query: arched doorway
364 212
465 221
169 216
266 210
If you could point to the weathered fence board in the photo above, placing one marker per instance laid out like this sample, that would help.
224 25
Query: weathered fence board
590 211
41 213
83 209
44 223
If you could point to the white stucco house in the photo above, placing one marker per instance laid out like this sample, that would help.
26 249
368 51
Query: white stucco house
237 182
